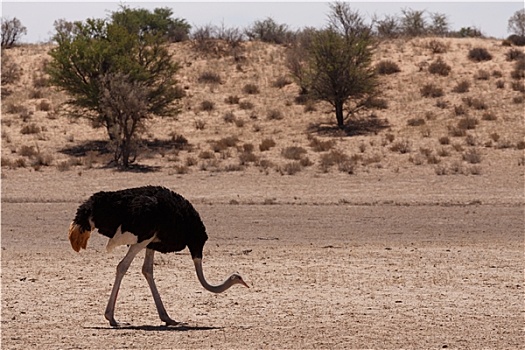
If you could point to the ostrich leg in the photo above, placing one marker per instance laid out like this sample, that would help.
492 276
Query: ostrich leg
122 268
147 271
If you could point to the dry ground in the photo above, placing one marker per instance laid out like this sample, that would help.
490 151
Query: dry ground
371 263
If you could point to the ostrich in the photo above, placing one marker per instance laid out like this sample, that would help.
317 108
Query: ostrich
149 217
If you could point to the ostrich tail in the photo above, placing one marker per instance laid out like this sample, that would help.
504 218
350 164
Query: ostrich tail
78 237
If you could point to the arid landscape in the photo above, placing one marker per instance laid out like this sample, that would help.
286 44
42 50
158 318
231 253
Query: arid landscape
403 231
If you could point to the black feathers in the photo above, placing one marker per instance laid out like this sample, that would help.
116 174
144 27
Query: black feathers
144 212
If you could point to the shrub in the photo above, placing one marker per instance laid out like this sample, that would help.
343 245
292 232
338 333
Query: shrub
459 110
331 158
206 155
500 84
266 144
439 67
207 105
30 129
200 124
228 117
274 114
401 146
27 151
387 67
479 54
436 46
514 54
42 159
455 131
377 103
245 105
35 94
10 70
444 140
250 89
489 116
239 122
468 123
321 146
40 80
281 82
462 87
518 99
472 156
516 40
232 100
293 152
224 143
431 90
44 105
416 121
291 168
475 103
519 69
482 75
208 77
247 157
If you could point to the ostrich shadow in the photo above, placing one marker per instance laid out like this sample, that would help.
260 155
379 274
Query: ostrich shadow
159 328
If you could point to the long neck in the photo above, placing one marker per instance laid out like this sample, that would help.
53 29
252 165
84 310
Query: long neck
214 289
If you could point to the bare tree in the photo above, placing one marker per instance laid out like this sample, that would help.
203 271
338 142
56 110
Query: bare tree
124 101
336 67
516 23
12 31
413 22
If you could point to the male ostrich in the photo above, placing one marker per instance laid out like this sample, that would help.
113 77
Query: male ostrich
148 217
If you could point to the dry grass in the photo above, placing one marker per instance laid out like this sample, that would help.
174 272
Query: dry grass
253 101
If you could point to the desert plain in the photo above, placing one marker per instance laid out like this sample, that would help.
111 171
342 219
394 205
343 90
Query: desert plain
420 249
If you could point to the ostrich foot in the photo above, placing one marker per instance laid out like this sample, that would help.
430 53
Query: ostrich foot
114 323
171 322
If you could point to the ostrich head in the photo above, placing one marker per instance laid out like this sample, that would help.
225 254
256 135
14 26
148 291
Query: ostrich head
237 279
233 279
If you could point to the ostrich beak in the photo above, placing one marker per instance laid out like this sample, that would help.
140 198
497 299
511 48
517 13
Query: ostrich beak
244 283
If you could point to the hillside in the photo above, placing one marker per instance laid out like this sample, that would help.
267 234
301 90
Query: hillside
477 132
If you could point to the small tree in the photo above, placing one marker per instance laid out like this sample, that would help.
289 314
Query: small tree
269 31
413 22
337 67
126 101
387 27
516 24
439 25
12 31
130 48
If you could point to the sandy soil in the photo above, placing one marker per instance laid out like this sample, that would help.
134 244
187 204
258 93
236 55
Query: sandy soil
332 263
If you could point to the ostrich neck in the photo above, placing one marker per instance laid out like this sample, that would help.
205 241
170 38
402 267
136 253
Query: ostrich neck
214 289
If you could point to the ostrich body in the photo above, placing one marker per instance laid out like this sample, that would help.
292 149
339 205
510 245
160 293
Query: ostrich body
151 218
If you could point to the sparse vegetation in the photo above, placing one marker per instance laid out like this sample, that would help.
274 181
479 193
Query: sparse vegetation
426 130
439 67
251 89
462 87
431 90
266 144
387 67
293 152
208 77
479 54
